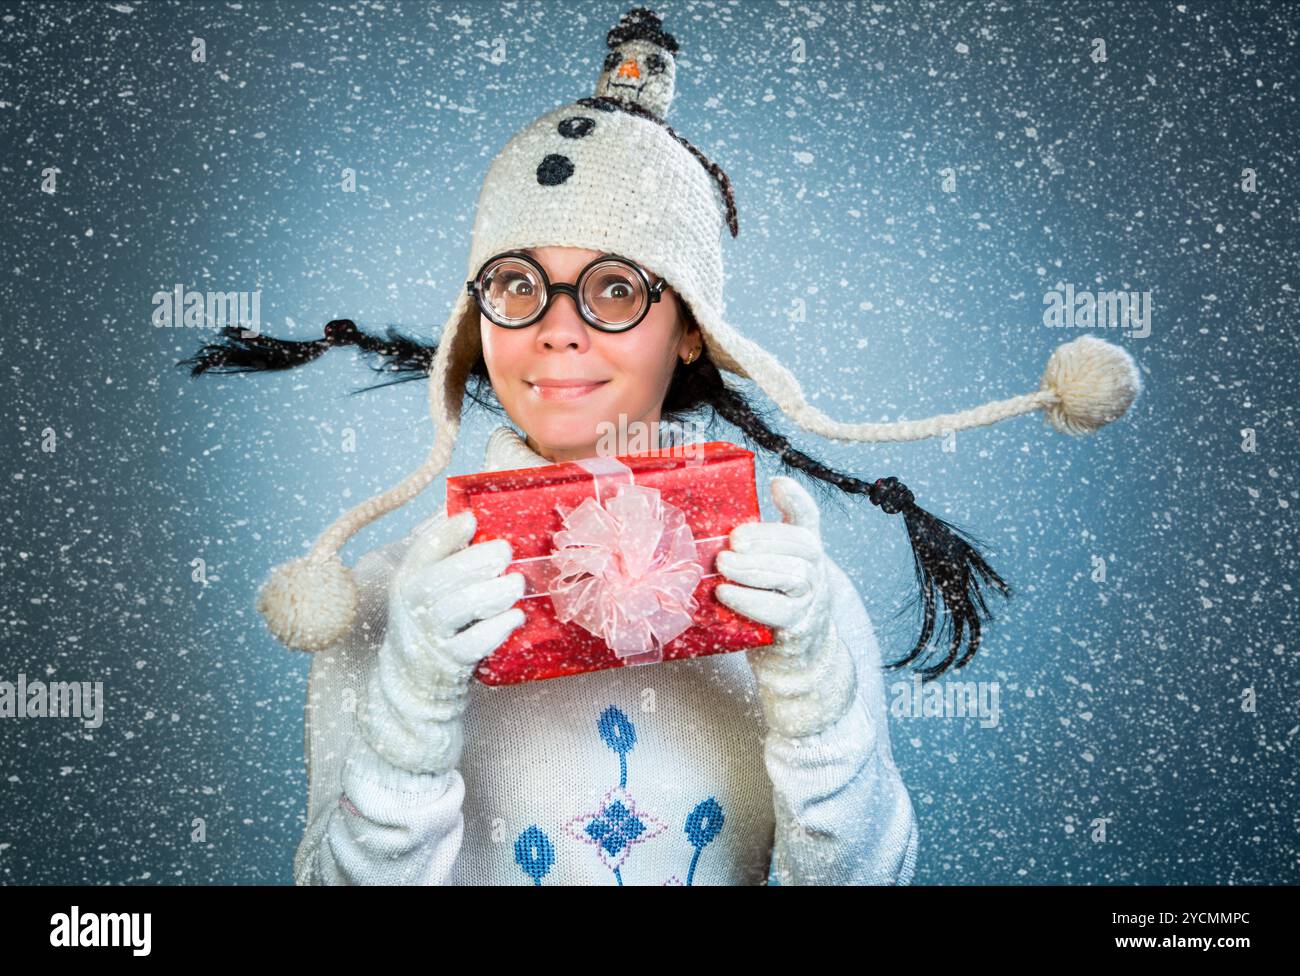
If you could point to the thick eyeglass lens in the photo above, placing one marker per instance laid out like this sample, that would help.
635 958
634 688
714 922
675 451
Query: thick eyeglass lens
615 294
513 290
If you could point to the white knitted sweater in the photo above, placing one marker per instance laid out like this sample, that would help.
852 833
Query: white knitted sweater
658 774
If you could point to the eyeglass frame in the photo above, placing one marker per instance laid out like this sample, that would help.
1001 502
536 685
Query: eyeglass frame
572 289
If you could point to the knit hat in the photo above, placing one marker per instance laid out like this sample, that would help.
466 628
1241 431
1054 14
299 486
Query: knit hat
607 173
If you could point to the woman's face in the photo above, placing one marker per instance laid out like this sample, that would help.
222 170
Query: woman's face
630 371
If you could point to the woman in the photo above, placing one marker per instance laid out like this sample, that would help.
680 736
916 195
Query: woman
703 771
596 257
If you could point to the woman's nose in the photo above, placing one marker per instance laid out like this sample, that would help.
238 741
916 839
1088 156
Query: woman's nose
562 327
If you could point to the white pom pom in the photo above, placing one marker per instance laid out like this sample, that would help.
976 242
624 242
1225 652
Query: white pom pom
309 602
1096 382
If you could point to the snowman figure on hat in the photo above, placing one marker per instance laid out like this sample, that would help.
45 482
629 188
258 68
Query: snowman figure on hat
641 66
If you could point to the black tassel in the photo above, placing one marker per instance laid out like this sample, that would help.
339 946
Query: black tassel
942 556
243 352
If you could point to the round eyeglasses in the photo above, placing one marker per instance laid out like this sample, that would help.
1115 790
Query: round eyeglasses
612 293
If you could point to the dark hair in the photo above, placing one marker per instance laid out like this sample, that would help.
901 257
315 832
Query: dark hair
943 555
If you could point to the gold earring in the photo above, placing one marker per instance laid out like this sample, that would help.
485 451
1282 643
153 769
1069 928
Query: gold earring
694 354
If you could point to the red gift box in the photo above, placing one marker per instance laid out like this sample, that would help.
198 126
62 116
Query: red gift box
618 555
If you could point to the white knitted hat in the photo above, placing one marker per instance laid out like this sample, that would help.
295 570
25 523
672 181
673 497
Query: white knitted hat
607 173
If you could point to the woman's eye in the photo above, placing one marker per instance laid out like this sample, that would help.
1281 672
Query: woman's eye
615 291
512 284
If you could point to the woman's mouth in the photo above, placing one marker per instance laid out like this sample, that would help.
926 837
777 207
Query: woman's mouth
561 390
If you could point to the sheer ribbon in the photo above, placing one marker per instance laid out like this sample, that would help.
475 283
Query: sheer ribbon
625 566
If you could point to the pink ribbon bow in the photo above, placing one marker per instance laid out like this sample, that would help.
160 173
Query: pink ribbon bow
625 571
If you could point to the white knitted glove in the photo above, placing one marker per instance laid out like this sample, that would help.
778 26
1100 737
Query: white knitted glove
806 677
449 606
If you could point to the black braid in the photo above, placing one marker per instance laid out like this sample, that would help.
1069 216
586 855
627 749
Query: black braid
943 555
244 352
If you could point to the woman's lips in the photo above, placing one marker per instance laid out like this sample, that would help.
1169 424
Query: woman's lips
561 393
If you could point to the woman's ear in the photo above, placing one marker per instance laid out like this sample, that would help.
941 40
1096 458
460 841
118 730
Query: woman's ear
689 329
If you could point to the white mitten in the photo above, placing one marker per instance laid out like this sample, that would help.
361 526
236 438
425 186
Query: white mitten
449 606
806 677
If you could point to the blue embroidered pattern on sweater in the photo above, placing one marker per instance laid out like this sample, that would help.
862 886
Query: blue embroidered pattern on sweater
618 824
535 853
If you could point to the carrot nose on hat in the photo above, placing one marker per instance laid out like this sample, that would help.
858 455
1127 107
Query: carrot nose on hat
629 69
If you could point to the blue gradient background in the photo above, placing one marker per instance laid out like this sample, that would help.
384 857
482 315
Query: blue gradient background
1119 700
